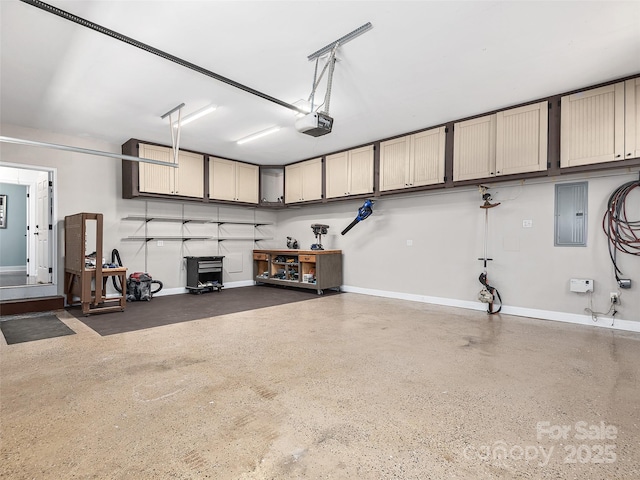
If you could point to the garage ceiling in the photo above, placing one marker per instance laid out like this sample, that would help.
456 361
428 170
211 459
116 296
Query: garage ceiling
422 64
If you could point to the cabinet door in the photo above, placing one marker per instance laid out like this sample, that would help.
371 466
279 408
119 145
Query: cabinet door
394 163
632 118
293 183
361 171
337 169
247 182
426 165
222 179
189 176
312 179
474 148
156 178
521 139
592 126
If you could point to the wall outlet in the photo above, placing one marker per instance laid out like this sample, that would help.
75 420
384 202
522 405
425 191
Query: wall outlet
160 243
614 298
527 223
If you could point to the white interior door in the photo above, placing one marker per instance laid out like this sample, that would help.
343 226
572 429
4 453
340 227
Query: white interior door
42 232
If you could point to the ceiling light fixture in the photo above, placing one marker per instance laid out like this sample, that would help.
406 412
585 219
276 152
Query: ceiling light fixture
196 115
259 134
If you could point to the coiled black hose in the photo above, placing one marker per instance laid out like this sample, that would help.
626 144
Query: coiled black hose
115 255
115 278
623 234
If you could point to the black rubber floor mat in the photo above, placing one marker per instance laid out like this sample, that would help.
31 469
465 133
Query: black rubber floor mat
170 309
28 329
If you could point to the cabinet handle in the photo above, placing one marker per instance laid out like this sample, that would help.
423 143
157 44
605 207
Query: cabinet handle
618 156
628 154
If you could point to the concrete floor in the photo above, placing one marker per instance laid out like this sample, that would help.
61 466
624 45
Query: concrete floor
341 387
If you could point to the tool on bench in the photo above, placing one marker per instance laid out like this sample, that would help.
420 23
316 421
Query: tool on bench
318 231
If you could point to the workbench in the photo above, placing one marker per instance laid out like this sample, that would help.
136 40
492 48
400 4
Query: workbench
311 269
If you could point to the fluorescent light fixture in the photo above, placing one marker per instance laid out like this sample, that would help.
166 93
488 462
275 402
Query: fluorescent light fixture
196 115
259 134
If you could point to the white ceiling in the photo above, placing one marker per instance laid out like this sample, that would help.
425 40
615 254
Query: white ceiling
422 64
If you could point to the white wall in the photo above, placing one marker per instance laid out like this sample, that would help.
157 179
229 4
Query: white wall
87 183
446 229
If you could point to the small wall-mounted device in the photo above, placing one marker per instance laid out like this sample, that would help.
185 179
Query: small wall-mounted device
581 285
624 283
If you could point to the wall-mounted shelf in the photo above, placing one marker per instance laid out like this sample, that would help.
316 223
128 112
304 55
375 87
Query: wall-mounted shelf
165 237
192 237
255 224
251 239
186 237
146 218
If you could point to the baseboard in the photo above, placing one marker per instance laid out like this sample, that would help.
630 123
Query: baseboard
179 291
602 322
170 291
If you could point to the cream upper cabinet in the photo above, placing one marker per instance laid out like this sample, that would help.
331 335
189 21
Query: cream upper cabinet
248 179
593 126
632 118
474 148
337 169
185 180
303 181
521 139
508 142
293 183
233 181
413 160
350 172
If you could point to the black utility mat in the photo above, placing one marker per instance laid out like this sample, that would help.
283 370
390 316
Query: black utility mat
27 329
172 309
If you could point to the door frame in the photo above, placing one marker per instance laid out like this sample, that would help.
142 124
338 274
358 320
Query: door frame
38 290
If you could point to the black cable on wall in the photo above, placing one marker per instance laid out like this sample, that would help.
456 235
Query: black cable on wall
623 234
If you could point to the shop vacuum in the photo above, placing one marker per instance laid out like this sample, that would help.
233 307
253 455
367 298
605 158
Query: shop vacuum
138 284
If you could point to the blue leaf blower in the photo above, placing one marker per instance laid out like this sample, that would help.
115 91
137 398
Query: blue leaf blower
363 212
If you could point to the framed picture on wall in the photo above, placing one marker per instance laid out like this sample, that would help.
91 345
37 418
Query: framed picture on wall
3 211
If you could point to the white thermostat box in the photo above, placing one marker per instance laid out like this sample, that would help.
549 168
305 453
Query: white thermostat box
581 285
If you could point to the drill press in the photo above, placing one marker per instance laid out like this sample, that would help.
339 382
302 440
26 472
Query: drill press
318 231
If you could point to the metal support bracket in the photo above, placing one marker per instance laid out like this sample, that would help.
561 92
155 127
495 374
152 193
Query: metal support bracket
175 135
330 64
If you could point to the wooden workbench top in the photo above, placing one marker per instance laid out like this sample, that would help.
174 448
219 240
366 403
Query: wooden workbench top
289 251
